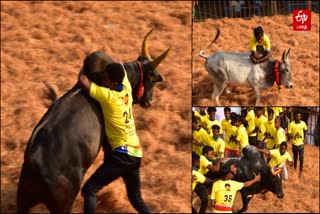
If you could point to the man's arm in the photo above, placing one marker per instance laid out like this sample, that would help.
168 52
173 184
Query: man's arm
255 179
264 151
84 82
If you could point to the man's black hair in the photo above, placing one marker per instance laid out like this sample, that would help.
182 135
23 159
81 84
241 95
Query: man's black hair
238 118
206 149
215 127
270 111
258 31
227 109
284 143
233 115
195 157
115 72
211 109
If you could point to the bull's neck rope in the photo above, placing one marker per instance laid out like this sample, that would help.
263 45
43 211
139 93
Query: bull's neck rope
140 88
277 73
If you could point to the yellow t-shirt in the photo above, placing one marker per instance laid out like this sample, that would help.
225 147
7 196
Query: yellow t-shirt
277 111
280 137
270 128
119 122
277 158
204 162
250 118
200 178
218 146
230 130
203 118
223 194
296 130
259 122
199 136
265 43
242 136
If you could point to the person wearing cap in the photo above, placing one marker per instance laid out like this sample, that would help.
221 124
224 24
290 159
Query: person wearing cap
260 46
224 191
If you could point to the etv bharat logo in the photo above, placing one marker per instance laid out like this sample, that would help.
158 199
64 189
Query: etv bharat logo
302 20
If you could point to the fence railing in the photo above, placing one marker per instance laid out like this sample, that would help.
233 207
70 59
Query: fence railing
203 9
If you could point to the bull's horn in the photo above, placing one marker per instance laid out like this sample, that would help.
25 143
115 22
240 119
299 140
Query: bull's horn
287 53
283 55
159 59
144 51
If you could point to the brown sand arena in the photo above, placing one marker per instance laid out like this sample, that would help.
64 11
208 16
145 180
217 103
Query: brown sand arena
234 37
49 40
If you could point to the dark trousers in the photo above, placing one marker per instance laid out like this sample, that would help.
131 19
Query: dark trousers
298 152
118 165
202 192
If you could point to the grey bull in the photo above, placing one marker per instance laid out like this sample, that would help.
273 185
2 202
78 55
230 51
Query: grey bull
236 69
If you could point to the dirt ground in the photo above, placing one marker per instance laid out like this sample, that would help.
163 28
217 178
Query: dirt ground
234 37
47 41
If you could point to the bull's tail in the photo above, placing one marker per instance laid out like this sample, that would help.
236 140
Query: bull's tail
202 52
50 93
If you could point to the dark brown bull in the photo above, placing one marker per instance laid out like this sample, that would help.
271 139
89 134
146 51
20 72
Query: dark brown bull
69 136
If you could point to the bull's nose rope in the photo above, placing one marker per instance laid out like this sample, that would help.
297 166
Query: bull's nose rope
277 74
141 87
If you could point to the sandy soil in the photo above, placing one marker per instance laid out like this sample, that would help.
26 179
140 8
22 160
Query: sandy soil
234 37
49 40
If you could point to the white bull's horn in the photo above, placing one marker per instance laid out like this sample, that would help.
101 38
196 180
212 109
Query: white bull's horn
144 49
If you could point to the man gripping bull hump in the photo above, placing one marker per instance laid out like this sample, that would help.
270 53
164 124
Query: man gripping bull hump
260 46
116 102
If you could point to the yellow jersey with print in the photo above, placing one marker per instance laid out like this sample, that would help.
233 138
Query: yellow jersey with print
280 137
278 159
204 162
265 43
259 123
200 136
229 130
296 130
250 118
119 122
224 192
210 123
242 137
271 131
218 146
200 178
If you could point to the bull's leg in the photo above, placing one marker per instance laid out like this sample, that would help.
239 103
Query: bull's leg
26 197
257 93
245 200
220 82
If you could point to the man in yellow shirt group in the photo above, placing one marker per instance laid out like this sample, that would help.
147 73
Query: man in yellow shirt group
270 130
280 135
296 131
224 191
242 135
260 129
217 143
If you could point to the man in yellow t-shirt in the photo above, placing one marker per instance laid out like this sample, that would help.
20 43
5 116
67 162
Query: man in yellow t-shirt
199 137
278 159
250 118
212 120
202 116
217 143
260 46
206 163
260 120
115 98
231 147
199 185
296 130
224 191
270 130
280 135
242 135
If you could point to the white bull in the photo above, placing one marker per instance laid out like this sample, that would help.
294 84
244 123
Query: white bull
237 69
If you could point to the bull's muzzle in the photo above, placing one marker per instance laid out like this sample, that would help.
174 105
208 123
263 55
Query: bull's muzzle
280 195
289 85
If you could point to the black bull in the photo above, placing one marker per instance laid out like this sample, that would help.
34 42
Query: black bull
69 136
248 164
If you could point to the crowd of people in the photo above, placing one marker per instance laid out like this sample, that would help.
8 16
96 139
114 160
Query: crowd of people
269 129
